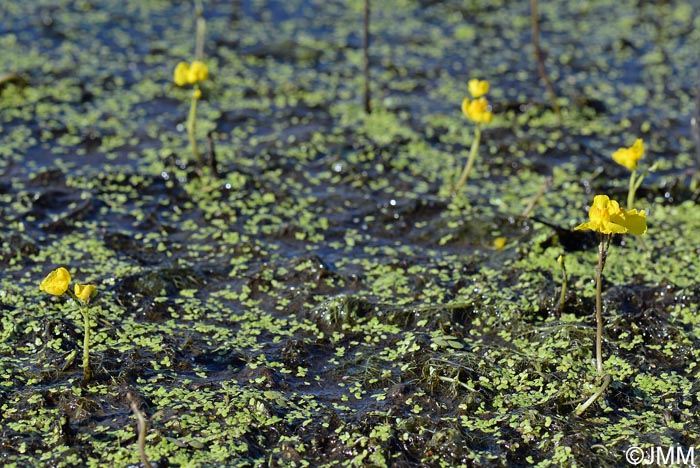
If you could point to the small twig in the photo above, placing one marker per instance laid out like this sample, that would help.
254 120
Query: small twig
141 430
536 198
564 281
365 47
211 152
540 62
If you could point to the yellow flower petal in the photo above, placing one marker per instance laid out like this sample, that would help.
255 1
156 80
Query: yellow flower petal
634 221
181 74
56 283
478 88
477 110
629 157
85 292
198 72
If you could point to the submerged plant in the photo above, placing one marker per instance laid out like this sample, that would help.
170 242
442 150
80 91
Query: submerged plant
478 111
57 284
607 218
192 74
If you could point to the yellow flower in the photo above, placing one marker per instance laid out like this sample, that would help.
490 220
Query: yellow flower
607 217
477 110
56 283
499 243
85 292
190 74
181 74
198 72
629 157
478 88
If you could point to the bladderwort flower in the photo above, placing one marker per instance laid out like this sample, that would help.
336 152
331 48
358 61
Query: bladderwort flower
190 74
478 88
57 283
186 74
629 158
607 218
478 110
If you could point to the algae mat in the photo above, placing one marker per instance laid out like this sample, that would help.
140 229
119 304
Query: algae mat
325 301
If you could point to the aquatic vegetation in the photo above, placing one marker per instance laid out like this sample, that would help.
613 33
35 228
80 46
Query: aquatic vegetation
607 218
446 352
629 157
478 111
192 74
57 283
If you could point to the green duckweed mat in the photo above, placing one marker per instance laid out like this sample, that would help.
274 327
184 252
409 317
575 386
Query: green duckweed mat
326 301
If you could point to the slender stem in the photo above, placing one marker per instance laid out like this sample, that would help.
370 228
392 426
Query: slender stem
211 150
141 430
599 391
533 202
200 31
365 48
602 256
632 189
191 122
564 281
538 58
87 372
470 161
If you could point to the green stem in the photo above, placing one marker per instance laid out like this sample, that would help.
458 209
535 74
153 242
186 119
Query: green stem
200 31
87 372
191 119
365 50
632 189
602 257
472 157
599 306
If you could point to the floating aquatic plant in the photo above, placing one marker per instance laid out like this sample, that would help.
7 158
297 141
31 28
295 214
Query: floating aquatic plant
57 283
607 218
478 111
192 74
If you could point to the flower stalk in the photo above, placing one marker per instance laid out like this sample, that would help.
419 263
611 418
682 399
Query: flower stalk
57 283
478 111
472 157
192 123
186 74
607 218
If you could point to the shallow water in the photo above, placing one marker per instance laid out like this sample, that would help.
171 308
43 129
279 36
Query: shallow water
326 300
